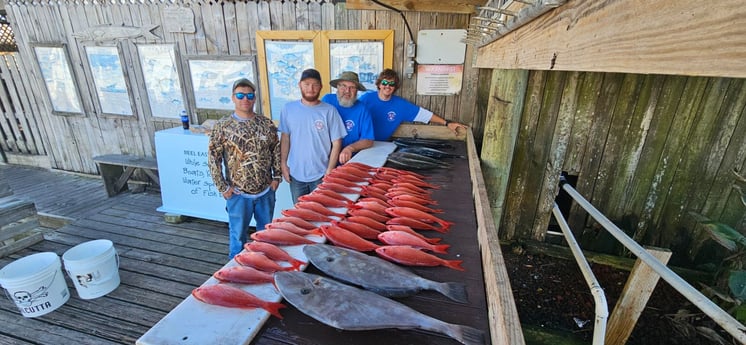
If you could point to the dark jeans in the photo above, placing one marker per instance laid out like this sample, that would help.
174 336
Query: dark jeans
298 188
240 210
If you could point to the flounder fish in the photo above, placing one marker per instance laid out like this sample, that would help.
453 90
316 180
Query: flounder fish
375 274
349 308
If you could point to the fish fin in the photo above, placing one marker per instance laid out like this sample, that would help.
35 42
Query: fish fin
433 240
436 210
441 248
455 264
445 225
274 308
454 291
316 231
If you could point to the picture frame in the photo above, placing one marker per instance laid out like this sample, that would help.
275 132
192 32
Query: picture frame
285 55
213 77
334 51
59 80
109 80
162 81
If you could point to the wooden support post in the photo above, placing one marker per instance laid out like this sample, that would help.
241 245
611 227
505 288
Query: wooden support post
640 285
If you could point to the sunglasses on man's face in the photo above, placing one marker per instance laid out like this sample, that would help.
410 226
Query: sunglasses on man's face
249 95
388 83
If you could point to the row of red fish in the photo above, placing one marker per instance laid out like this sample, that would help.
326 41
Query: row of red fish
394 205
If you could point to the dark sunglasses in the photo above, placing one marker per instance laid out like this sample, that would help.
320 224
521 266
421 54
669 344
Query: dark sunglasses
389 83
249 95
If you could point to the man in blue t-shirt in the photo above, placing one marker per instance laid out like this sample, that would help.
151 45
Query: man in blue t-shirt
354 114
388 111
311 139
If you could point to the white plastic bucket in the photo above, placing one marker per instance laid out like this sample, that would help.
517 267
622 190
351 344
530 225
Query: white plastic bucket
93 267
35 283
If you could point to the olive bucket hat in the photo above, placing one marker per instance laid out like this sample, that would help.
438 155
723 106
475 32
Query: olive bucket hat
348 76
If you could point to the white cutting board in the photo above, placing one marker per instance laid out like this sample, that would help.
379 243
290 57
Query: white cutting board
197 323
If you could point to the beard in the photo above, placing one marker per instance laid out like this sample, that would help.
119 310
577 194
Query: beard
345 102
310 96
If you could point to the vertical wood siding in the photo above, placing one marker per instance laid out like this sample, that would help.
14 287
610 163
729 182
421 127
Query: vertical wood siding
646 149
222 29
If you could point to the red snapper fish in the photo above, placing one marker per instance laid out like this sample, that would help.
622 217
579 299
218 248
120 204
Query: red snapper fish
260 262
361 230
339 188
414 224
288 226
273 252
423 208
371 205
369 214
339 180
306 214
403 238
418 215
431 240
415 181
233 297
347 239
367 221
332 194
280 237
318 208
297 221
416 199
410 256
326 200
243 275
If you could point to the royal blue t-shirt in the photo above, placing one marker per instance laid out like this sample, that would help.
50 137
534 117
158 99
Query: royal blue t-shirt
388 115
356 119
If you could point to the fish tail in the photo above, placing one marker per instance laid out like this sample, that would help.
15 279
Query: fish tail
455 264
433 240
469 335
274 308
296 264
445 225
454 291
436 210
441 248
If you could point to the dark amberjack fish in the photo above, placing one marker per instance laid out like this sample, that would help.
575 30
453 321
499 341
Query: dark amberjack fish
375 274
349 308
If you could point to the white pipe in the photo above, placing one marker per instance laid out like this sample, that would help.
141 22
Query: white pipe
602 308
730 324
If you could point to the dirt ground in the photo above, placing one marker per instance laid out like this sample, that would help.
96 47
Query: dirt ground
551 294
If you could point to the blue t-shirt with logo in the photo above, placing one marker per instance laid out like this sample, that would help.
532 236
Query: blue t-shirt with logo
388 115
356 119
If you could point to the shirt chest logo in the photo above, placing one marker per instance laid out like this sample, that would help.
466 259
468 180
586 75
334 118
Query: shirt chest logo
319 125
391 116
349 124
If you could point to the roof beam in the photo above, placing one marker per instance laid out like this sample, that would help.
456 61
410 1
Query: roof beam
681 37
455 6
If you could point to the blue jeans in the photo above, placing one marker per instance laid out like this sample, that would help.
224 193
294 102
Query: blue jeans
298 188
240 211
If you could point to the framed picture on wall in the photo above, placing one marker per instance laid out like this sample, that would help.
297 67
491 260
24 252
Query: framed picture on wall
365 52
111 85
59 80
162 82
285 55
212 79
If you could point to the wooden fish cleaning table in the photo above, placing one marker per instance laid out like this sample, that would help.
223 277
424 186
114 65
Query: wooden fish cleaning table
473 239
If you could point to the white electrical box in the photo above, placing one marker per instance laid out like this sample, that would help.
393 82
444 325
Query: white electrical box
441 47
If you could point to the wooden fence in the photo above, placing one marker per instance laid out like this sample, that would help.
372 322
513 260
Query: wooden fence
645 150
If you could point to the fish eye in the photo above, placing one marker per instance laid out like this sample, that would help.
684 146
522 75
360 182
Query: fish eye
305 291
329 259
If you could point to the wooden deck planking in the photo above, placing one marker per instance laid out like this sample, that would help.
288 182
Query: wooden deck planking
160 264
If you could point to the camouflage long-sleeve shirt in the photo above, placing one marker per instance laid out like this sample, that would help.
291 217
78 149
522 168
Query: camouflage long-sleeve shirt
249 150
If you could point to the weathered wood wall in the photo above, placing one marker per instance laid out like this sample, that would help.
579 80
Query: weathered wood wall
222 29
646 149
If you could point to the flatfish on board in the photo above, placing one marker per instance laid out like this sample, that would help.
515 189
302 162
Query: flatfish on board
375 274
349 308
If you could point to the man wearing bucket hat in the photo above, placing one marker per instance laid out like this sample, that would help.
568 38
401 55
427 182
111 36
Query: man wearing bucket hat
354 114
246 144
311 139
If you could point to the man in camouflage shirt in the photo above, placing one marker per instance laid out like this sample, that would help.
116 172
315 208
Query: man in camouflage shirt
247 146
